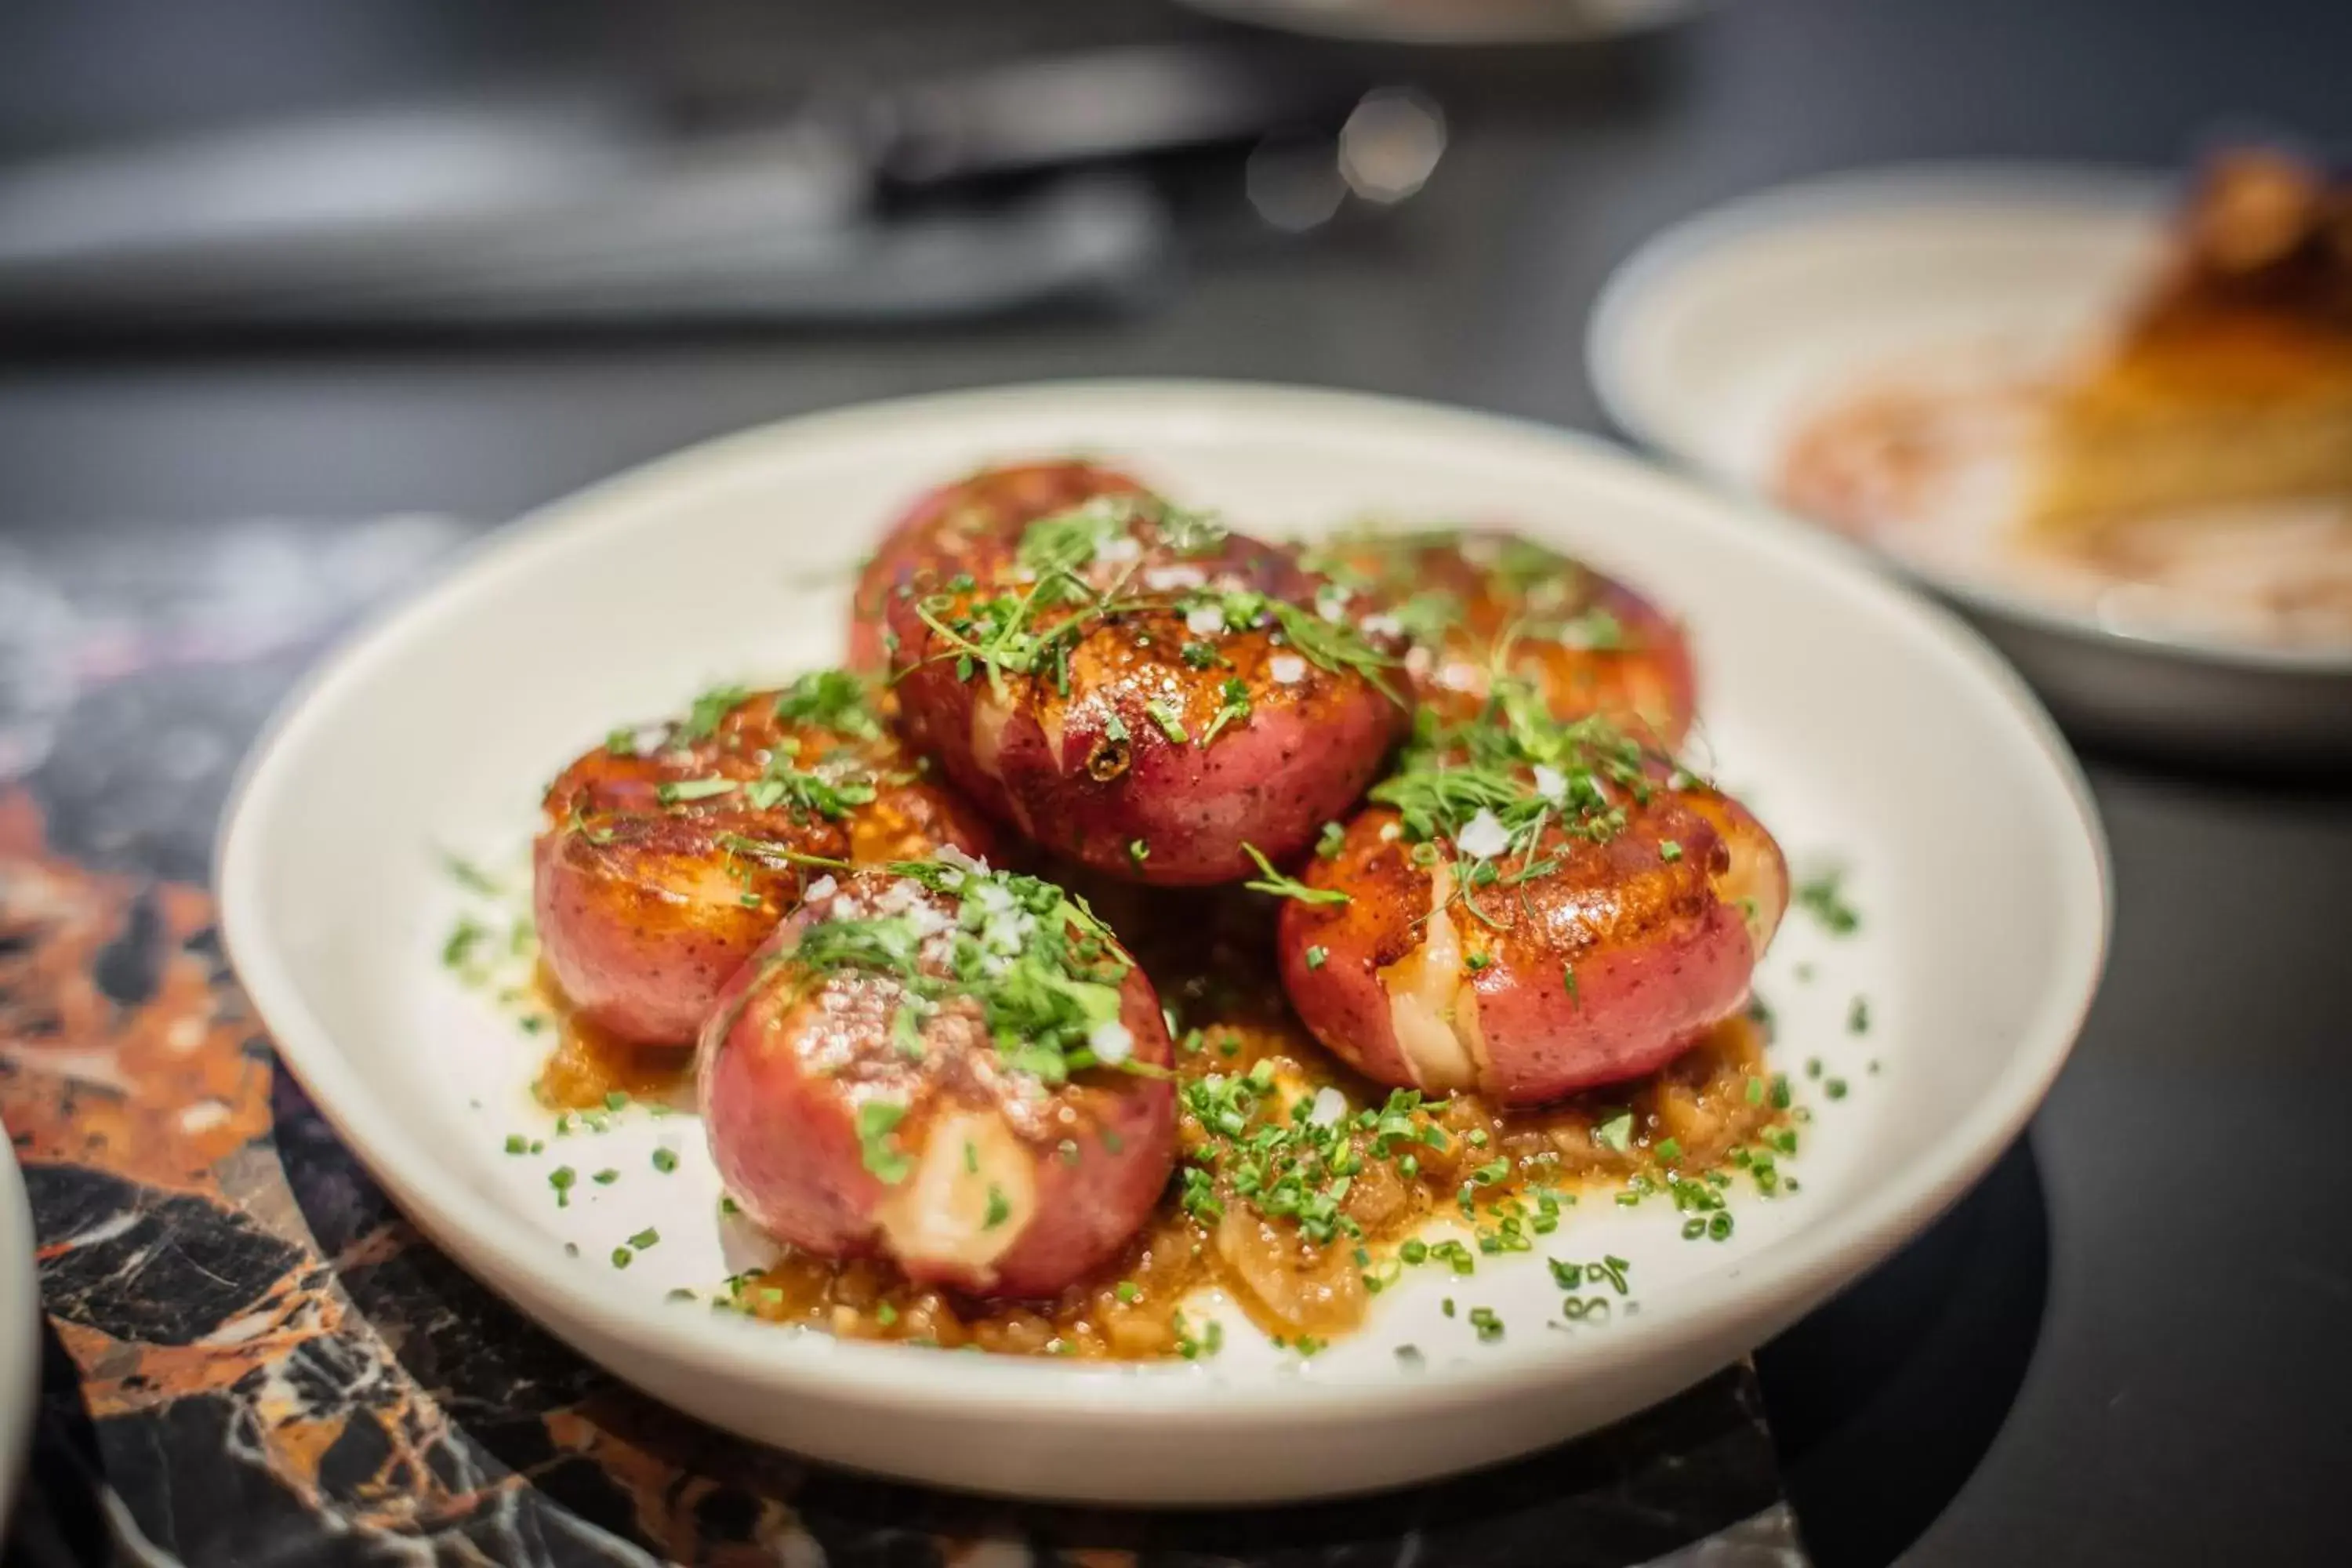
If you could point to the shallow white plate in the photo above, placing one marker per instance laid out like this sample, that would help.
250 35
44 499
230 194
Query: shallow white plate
1868 727
20 1332
1719 335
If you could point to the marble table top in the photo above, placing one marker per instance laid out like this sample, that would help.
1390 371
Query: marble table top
251 1356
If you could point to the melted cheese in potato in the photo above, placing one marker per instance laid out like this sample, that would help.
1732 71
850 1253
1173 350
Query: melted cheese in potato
940 1213
1757 882
989 716
1436 1016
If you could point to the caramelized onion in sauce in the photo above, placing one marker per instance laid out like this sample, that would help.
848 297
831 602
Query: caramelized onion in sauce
1288 1286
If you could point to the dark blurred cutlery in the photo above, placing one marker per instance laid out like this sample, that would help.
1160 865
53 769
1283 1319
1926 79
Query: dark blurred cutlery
576 209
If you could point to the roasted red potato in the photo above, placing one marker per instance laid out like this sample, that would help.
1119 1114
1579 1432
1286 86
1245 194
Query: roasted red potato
1529 910
1477 603
1137 689
957 1069
993 504
645 904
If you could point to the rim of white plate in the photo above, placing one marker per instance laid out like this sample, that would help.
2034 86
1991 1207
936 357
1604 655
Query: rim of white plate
1791 1273
1653 264
20 1342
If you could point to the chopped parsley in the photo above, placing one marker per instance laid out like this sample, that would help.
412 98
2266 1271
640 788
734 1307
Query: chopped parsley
877 1120
1284 886
470 877
1823 898
1334 645
831 699
465 937
1500 786
1428 616
1616 1132
680 792
828 790
1208 1341
1164 715
702 719
1002 629
1236 698
1040 968
1292 1161
1595 629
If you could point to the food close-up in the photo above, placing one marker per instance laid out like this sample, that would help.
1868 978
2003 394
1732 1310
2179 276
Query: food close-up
1147 914
1192 783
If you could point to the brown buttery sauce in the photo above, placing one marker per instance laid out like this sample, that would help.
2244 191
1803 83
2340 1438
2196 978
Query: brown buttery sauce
1701 1108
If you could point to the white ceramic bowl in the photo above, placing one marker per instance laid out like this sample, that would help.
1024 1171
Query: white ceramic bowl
1866 724
1719 335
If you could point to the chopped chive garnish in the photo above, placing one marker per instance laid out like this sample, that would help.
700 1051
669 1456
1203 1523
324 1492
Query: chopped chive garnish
1283 886
1823 898
1616 1133
876 1120
1164 716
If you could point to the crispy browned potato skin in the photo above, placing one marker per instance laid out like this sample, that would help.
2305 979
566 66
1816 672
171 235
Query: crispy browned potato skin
1645 683
788 1058
1055 764
643 913
995 503
1660 948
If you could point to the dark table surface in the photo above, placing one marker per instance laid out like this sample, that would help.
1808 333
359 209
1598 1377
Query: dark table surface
2126 1347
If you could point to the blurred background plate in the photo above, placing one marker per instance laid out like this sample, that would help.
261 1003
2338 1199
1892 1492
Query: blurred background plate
1715 339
